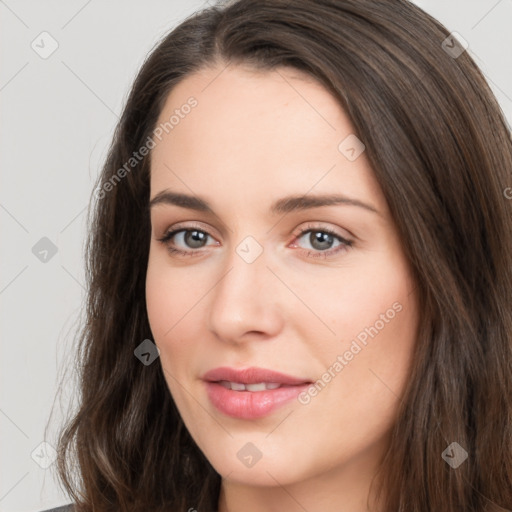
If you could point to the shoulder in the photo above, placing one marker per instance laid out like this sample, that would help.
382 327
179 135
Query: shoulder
64 508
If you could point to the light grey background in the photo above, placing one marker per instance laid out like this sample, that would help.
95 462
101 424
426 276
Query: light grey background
58 116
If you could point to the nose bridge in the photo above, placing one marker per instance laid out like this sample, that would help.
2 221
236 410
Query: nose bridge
244 300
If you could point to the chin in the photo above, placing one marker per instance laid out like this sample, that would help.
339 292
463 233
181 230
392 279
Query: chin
262 474
252 460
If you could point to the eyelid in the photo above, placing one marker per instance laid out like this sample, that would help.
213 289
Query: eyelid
189 226
298 232
311 226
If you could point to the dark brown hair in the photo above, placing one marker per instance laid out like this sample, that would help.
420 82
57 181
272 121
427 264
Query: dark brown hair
441 151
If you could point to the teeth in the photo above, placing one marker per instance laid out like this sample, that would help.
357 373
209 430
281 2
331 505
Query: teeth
256 387
260 386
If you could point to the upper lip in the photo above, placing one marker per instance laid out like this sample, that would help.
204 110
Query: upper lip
252 375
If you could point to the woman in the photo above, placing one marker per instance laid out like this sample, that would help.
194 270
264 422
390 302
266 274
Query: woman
299 273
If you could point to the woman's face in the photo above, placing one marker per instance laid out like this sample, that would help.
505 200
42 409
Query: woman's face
315 288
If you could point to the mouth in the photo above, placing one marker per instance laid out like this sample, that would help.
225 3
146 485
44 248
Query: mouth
239 386
251 393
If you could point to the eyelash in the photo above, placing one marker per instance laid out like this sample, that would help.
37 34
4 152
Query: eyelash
343 247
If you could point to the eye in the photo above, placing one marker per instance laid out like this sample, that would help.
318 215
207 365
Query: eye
323 242
190 238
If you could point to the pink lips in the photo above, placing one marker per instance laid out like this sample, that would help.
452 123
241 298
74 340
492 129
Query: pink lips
246 404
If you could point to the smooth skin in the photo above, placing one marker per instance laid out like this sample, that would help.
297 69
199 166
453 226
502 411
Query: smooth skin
253 138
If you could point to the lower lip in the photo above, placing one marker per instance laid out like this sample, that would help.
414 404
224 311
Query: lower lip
249 405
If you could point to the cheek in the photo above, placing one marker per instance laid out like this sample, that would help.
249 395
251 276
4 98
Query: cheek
166 300
158 300
175 305
166 294
376 347
374 313
370 300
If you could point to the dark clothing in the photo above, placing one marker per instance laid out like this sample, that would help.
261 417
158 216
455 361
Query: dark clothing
64 508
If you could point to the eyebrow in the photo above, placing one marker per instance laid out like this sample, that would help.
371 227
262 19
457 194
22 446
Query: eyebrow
281 206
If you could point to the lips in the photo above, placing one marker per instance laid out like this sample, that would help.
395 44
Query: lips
251 375
252 392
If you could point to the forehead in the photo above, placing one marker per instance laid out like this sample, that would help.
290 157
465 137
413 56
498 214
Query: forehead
231 96
260 131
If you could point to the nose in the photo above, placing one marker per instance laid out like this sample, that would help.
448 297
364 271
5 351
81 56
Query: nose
245 303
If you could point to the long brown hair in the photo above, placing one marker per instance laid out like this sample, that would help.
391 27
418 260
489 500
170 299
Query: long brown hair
441 151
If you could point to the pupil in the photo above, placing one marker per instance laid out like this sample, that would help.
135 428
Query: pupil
320 240
194 239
